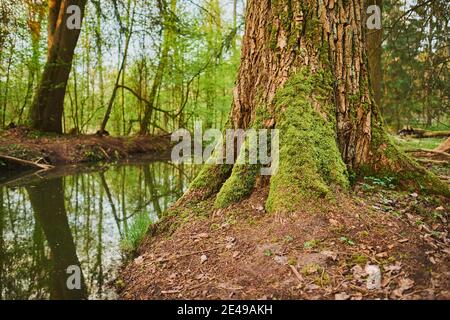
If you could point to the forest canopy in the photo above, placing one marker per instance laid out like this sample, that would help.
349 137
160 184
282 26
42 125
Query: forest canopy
181 57
178 56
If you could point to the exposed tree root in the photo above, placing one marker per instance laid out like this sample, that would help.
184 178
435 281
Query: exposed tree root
444 147
388 160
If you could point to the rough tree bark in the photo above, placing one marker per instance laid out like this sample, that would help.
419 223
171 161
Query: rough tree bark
374 50
304 71
48 105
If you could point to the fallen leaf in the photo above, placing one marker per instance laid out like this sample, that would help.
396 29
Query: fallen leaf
404 284
139 260
203 258
330 254
393 267
373 281
382 255
341 296
281 260
358 272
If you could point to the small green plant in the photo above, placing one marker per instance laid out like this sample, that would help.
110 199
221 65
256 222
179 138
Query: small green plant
136 232
384 182
359 259
268 253
311 244
347 241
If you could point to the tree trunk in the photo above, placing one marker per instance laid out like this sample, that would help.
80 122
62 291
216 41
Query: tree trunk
304 71
166 16
374 50
128 35
48 105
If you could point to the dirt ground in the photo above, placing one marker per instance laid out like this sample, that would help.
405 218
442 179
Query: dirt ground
29 145
376 243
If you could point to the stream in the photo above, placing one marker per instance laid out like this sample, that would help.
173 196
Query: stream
78 216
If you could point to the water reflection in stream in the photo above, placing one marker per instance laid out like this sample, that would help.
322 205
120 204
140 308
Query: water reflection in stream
49 224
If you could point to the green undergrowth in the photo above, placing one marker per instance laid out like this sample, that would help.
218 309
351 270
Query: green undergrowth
136 232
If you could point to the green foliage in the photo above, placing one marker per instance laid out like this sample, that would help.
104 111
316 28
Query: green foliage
347 241
415 62
311 244
198 77
136 232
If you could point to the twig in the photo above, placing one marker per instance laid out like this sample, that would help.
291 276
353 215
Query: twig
298 275
104 152
26 162
432 161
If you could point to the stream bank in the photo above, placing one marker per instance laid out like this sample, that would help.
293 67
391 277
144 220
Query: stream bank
51 149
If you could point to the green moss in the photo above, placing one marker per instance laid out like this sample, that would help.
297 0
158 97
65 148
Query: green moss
242 180
210 178
243 176
238 186
310 162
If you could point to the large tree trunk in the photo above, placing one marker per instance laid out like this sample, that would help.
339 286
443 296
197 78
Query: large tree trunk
374 50
304 71
48 105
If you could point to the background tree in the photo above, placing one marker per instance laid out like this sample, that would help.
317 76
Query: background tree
416 63
48 106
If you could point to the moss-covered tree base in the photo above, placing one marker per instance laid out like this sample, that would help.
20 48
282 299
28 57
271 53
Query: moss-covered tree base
311 167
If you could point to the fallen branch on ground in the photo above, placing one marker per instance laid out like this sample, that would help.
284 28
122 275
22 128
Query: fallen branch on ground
431 161
422 133
26 162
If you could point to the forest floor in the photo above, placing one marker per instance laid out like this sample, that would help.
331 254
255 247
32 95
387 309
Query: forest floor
375 242
33 146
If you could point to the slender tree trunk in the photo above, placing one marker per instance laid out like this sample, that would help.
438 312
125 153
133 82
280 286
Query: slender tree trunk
119 74
5 98
164 58
304 71
48 105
